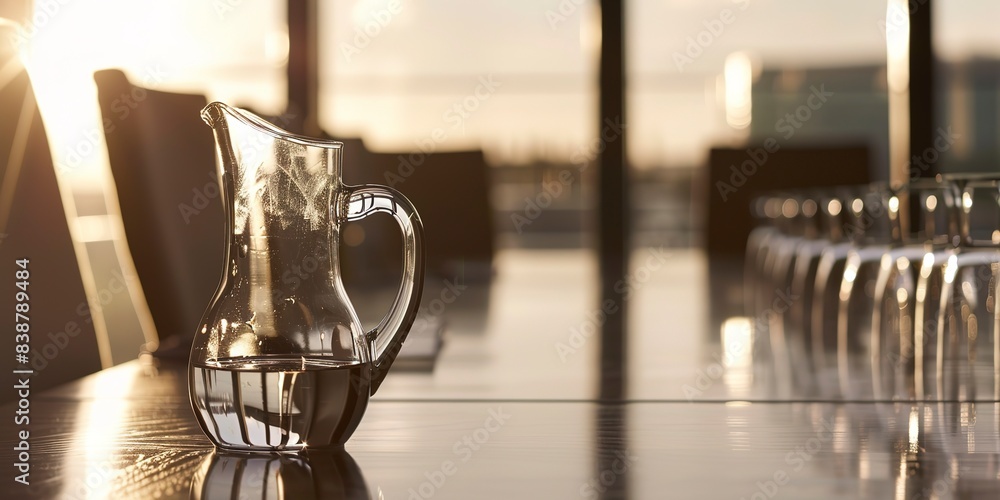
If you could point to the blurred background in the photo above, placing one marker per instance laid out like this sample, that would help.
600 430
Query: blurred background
516 80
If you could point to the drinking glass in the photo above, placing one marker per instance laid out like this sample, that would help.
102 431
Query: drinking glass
928 220
826 231
766 210
967 347
800 213
846 210
874 215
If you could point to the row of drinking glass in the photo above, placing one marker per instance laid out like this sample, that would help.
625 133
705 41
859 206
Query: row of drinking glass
872 292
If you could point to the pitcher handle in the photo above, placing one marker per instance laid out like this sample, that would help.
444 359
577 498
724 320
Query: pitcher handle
387 338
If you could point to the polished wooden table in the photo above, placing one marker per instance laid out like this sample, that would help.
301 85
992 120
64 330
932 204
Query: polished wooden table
508 412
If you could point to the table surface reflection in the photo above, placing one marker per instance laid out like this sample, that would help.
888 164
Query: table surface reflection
136 437
507 414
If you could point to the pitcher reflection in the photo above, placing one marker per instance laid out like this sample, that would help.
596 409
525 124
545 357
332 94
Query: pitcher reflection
327 474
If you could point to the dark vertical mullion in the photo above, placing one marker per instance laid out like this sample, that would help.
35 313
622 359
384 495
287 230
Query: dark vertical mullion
303 67
611 445
921 87
612 207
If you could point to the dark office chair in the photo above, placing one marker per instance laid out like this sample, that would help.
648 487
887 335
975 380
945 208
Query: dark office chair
33 227
451 191
730 182
163 162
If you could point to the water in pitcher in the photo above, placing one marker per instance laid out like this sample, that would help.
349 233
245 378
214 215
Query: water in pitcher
280 402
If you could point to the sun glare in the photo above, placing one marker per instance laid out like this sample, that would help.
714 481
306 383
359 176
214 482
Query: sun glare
738 73
63 45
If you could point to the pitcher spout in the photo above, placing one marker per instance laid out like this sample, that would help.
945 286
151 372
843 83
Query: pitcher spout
236 125
213 114
227 120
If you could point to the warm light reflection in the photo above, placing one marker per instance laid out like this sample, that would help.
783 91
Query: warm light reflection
951 269
864 464
99 428
276 46
901 476
93 228
841 432
967 418
914 430
928 265
897 40
931 203
738 430
591 34
833 207
809 208
902 264
738 74
901 296
772 208
857 205
790 208
850 273
737 351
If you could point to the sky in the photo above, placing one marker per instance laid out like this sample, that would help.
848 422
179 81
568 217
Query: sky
396 72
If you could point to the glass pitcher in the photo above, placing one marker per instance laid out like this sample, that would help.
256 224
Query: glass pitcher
280 361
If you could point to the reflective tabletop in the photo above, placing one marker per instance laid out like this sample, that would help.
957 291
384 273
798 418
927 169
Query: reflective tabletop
510 411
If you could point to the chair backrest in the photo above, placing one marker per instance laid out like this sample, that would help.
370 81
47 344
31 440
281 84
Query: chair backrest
735 176
450 190
731 181
34 232
163 163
